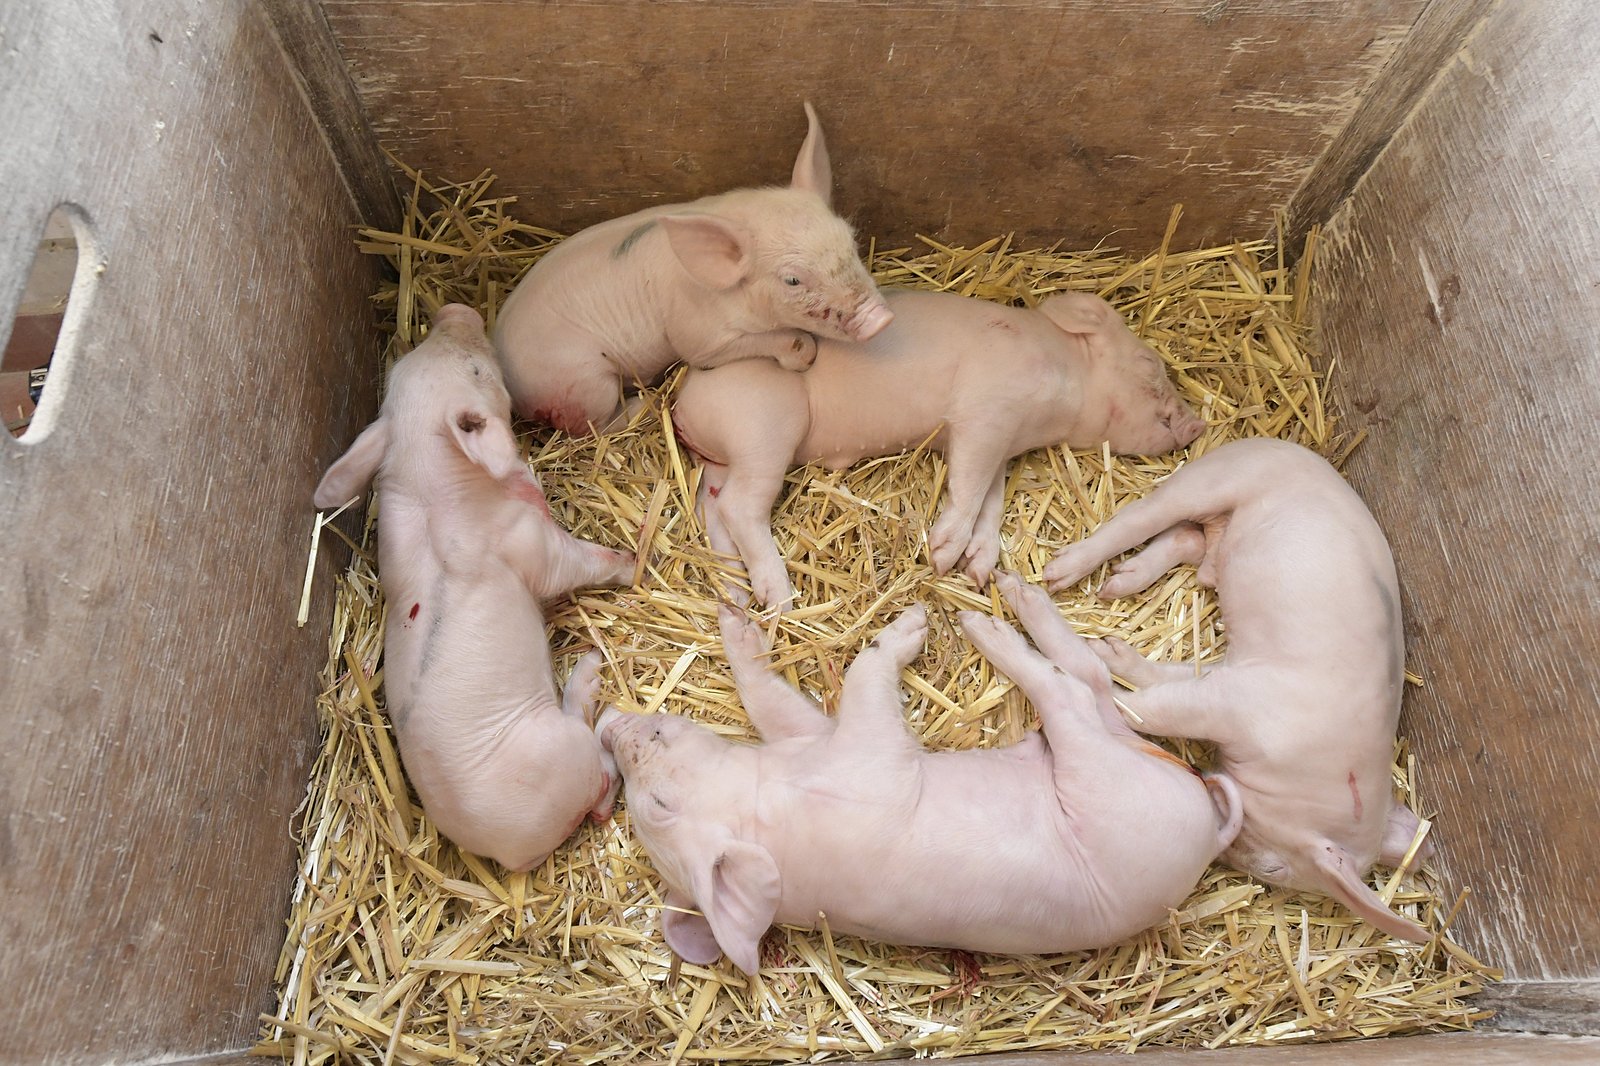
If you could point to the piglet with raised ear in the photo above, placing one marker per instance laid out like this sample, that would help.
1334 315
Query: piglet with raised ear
468 552
1304 706
1074 838
752 272
985 381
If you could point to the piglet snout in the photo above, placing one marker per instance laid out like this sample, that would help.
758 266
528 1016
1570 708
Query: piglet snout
869 319
1185 427
606 725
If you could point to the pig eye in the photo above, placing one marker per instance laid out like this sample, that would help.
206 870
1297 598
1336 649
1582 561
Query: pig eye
790 279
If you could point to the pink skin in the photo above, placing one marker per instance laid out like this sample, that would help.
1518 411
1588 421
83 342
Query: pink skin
999 380
749 273
1072 840
1304 707
469 552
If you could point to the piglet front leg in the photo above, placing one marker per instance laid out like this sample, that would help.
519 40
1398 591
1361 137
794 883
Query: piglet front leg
794 349
581 700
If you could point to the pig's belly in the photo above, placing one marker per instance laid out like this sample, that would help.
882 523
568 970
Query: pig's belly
864 406
983 863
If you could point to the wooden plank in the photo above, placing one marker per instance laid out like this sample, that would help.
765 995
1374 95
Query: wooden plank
1072 119
155 696
1544 1006
1432 42
1475 1049
1459 298
321 74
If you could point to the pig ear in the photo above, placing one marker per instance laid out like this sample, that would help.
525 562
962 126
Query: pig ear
688 934
1340 880
813 172
1078 312
486 439
714 251
740 899
353 470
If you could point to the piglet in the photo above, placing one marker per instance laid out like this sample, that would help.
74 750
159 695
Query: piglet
752 272
468 553
1303 708
992 381
1074 838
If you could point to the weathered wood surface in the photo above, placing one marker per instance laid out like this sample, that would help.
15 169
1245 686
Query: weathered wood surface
1453 1049
155 696
322 75
1460 296
1073 119
1544 1006
1426 50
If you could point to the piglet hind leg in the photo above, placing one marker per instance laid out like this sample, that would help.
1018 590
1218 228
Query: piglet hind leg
1205 489
983 550
744 506
1183 543
974 464
870 707
776 708
1066 705
1123 661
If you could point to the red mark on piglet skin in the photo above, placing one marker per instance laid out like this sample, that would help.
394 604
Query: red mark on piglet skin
415 607
715 492
1355 794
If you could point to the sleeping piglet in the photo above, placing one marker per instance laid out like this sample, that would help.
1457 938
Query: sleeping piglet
467 553
1303 708
1073 839
993 382
752 272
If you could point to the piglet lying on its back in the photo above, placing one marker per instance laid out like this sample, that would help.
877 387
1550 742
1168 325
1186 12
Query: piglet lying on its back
467 553
1073 842
1303 708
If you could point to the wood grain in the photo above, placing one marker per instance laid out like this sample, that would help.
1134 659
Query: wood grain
1056 119
1456 1049
319 70
156 706
1419 59
1460 291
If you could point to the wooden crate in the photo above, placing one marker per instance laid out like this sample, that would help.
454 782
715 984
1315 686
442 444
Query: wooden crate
155 695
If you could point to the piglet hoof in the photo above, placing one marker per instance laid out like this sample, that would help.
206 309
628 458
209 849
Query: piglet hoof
581 696
903 638
1122 660
799 353
980 559
945 548
1067 569
772 589
741 638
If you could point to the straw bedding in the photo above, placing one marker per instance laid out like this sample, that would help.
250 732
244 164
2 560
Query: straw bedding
402 949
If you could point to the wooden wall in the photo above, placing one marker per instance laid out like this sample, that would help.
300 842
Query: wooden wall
155 696
1460 298
1076 119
